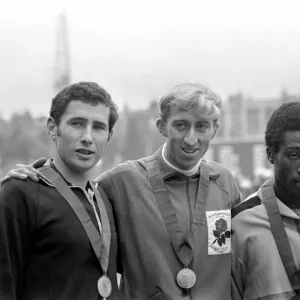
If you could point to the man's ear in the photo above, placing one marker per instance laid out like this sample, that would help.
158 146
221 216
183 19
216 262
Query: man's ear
52 128
270 155
216 128
161 126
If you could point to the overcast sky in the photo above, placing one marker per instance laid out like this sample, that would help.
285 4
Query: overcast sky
137 49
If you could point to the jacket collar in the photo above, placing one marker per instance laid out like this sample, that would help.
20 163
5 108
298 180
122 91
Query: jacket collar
283 209
167 171
49 164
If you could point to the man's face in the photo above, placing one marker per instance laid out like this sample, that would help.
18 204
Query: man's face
188 136
82 135
287 162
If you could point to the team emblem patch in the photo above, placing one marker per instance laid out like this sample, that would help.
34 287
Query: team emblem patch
219 231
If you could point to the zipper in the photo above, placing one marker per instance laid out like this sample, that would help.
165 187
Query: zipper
190 214
189 201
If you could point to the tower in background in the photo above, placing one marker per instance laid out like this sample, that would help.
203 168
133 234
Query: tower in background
62 72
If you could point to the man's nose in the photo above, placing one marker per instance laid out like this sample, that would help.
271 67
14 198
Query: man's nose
87 137
191 137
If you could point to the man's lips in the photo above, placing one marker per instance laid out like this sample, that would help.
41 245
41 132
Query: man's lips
189 150
85 151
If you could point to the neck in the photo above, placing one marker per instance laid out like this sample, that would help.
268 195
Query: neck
75 178
189 172
285 196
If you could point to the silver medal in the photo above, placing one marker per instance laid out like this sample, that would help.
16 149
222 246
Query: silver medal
104 286
186 278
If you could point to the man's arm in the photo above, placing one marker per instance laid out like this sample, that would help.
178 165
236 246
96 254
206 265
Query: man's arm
25 171
15 229
237 277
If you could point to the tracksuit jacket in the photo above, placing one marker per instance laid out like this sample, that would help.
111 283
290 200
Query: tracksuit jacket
257 270
44 250
149 262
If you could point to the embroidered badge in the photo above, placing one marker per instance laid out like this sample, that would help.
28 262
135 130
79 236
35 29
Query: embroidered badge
219 231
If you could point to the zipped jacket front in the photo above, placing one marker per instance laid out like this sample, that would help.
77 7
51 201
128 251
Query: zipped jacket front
150 264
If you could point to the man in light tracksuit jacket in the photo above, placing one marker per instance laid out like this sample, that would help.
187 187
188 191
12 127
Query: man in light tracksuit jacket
266 239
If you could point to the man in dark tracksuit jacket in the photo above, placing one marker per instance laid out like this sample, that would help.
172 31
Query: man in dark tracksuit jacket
57 236
45 252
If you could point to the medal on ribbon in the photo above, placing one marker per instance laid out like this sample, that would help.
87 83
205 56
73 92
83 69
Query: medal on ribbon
100 244
104 286
186 278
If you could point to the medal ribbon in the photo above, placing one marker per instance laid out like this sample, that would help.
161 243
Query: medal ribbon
184 251
106 233
279 234
101 246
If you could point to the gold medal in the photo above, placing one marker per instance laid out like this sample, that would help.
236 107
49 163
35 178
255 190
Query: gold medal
186 278
104 286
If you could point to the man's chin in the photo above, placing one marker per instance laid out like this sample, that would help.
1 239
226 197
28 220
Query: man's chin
83 167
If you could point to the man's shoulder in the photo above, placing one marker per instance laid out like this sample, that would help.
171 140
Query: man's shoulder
124 170
217 167
251 203
15 192
18 186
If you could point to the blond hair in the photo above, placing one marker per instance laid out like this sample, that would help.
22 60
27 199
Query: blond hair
189 96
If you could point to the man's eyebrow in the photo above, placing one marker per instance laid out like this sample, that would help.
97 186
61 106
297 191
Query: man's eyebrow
180 120
77 119
100 123
202 122
293 148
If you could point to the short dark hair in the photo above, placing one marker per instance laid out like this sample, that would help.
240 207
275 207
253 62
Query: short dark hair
284 118
87 92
